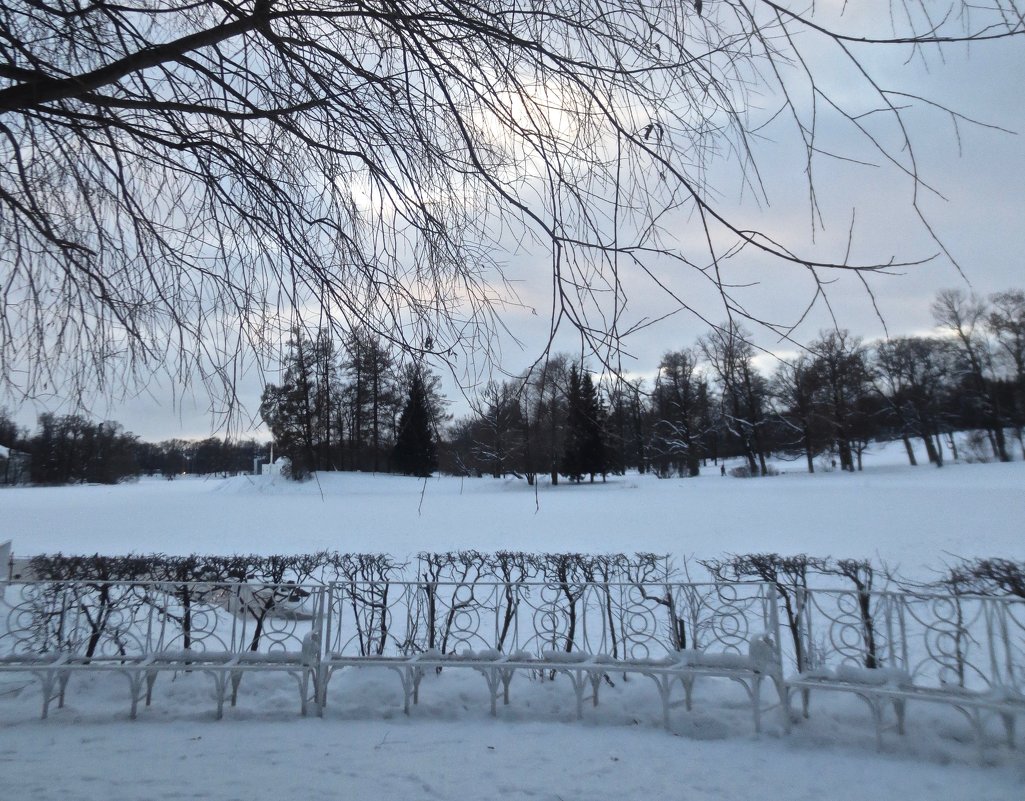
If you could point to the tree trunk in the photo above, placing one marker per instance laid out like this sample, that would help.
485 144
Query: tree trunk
910 450
1000 443
843 448
376 423
953 446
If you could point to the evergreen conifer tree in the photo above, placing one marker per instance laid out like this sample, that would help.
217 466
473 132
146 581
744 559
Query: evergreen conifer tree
585 452
573 456
415 452
594 453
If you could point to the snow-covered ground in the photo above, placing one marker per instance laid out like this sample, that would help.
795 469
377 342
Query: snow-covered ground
449 747
911 517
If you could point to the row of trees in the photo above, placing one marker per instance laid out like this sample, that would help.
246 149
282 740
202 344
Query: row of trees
353 407
552 421
712 400
213 455
356 407
69 449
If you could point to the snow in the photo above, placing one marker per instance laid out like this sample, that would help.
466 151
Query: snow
914 518
441 760
875 676
449 747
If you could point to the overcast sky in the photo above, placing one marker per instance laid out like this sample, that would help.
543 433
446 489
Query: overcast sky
981 219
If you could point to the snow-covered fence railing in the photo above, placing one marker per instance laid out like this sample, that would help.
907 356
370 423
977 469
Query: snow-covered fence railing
670 632
889 648
55 629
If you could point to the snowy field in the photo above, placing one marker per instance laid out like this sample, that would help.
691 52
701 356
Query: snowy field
449 747
913 518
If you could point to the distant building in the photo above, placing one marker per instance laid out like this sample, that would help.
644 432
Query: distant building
274 468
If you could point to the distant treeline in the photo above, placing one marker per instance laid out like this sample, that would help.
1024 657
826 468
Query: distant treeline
351 403
70 449
826 405
337 407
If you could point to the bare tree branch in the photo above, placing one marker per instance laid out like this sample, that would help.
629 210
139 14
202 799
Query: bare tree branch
183 182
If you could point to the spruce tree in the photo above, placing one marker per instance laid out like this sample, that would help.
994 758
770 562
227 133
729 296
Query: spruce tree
573 455
594 453
415 452
585 452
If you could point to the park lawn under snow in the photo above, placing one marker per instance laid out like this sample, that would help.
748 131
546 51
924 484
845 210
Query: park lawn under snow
449 747
914 518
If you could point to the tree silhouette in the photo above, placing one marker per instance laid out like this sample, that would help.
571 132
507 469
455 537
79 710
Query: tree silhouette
415 452
585 452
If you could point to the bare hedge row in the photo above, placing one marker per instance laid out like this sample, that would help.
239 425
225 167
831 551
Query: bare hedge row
326 566
977 576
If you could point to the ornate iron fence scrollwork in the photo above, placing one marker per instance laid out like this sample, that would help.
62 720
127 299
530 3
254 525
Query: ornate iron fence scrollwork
567 616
